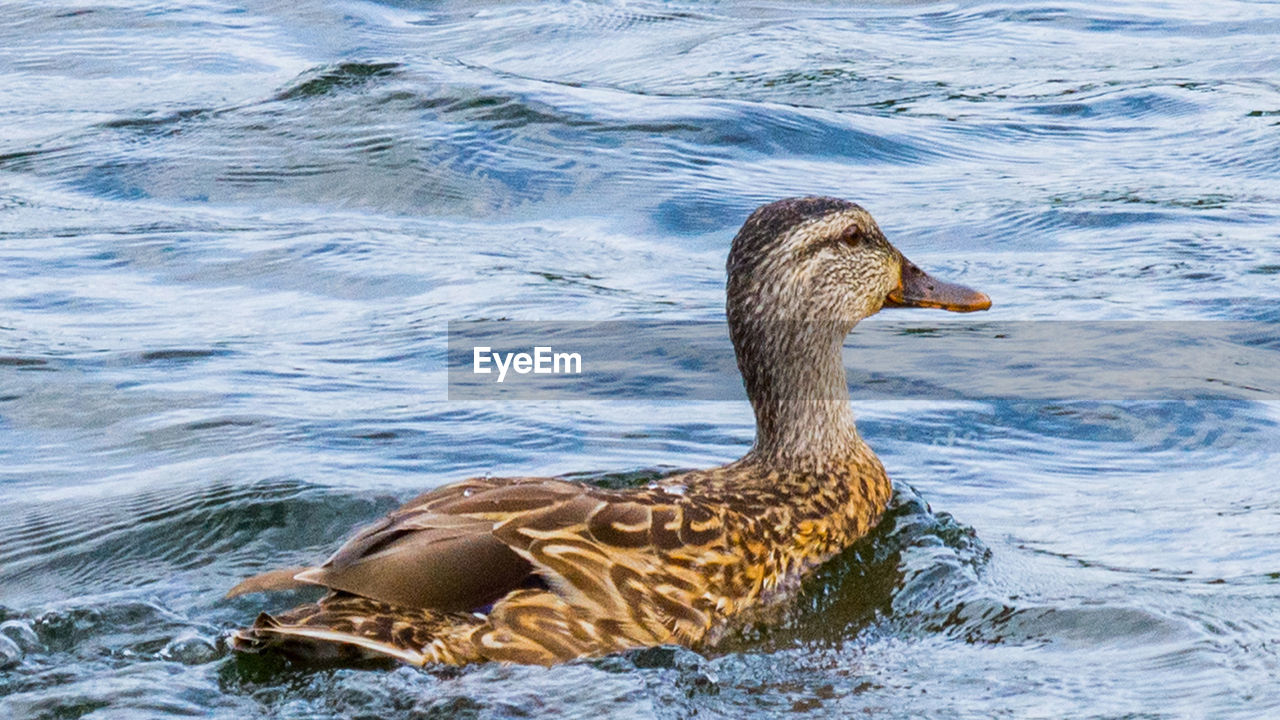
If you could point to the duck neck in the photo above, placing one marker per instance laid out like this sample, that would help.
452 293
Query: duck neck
795 379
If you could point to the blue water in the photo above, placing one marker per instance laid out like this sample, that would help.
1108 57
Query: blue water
232 236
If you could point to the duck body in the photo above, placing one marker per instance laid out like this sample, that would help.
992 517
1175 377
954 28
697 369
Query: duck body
582 571
543 570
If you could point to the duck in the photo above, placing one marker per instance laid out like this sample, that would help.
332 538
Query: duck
542 570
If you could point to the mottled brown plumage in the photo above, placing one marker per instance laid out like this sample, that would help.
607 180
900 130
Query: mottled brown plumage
540 570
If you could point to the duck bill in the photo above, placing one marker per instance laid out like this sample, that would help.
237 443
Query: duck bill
917 289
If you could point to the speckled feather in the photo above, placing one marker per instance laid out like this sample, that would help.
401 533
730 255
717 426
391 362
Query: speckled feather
541 570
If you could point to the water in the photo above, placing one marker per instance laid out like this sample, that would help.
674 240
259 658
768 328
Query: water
232 236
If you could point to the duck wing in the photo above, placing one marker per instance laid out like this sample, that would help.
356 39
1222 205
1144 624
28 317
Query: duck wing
461 547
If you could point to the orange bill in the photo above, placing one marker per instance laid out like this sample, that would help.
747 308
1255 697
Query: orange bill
917 289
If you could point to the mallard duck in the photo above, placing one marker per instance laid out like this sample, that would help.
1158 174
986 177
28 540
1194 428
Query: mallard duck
540 570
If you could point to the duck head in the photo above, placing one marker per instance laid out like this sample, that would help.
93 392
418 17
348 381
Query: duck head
802 272
825 260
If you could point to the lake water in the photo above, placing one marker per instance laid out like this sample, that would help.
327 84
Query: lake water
232 236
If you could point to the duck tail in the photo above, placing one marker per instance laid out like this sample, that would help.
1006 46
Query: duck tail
283 579
347 628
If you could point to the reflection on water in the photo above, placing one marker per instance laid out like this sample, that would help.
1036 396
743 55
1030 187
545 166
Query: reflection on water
232 238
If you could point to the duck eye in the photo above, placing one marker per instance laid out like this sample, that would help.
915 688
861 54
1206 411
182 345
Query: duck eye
853 236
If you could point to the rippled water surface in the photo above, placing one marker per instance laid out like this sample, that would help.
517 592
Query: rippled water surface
232 236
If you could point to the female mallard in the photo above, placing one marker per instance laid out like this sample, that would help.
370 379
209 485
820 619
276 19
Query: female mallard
540 570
